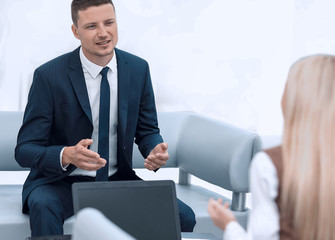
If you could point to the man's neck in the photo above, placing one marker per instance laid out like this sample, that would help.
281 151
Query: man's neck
99 60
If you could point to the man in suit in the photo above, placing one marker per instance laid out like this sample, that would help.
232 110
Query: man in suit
60 136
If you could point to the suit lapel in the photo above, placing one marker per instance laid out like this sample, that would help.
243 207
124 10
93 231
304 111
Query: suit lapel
123 91
78 82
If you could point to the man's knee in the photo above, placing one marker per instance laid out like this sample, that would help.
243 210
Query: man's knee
49 206
50 199
187 217
40 199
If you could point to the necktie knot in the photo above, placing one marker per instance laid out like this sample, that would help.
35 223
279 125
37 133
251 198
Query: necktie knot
104 71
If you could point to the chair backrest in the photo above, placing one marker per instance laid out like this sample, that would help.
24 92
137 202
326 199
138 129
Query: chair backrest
10 123
91 224
217 152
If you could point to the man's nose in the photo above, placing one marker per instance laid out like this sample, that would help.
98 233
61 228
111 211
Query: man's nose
102 32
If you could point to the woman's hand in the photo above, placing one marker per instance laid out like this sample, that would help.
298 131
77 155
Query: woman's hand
220 214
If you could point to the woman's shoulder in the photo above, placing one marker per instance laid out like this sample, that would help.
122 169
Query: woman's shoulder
262 169
261 160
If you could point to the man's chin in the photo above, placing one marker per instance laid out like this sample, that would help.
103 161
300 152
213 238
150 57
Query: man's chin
105 53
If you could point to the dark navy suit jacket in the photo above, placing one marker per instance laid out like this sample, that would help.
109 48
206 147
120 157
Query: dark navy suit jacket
58 114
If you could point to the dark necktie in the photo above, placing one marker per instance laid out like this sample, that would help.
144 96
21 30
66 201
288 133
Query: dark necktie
103 144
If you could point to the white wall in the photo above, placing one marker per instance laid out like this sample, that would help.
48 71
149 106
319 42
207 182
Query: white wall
223 58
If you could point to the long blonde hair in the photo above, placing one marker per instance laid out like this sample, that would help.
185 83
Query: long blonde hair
308 188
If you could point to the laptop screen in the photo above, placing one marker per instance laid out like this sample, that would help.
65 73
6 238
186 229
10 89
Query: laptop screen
145 209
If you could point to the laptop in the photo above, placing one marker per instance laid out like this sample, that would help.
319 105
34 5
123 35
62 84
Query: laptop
147 210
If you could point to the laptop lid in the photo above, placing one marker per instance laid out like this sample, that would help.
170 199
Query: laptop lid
147 210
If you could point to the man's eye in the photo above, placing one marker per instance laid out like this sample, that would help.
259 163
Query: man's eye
90 26
109 23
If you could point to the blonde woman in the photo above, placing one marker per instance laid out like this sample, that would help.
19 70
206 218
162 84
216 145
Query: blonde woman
292 185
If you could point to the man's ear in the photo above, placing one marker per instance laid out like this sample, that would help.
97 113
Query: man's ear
75 31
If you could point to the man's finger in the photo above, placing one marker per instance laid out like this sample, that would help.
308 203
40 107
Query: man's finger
91 166
164 146
99 161
162 156
156 162
89 153
86 142
148 166
152 164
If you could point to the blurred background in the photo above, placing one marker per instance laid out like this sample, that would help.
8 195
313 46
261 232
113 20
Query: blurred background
222 58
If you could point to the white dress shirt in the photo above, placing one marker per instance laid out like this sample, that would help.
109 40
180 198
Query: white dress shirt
93 79
263 222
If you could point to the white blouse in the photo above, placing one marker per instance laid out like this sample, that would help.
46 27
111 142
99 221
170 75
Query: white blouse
263 222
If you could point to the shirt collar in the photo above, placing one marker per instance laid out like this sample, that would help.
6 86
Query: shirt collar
94 69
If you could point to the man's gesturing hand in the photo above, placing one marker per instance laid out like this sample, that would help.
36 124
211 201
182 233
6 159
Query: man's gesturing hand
82 157
157 157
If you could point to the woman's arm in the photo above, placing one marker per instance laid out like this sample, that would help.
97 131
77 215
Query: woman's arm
263 222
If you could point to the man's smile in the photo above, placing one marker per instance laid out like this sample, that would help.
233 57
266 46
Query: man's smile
103 42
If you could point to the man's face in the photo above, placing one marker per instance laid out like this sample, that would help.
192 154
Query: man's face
97 30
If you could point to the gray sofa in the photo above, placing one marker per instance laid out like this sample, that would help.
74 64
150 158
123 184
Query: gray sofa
213 151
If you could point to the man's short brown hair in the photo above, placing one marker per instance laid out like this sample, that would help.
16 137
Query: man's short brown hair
81 5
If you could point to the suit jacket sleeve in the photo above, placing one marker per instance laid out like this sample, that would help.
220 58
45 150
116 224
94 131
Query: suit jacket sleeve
33 148
147 132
